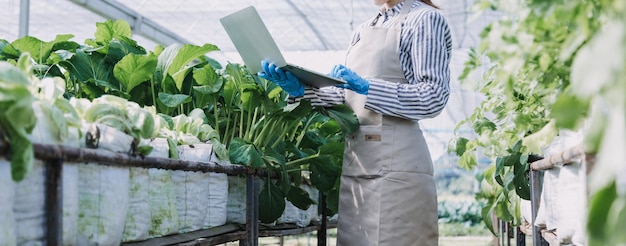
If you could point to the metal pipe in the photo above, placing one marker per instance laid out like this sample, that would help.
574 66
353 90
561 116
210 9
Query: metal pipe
54 202
103 157
252 217
24 18
321 233
521 238
109 158
535 196
565 157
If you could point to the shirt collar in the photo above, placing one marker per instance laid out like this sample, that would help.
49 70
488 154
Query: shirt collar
387 13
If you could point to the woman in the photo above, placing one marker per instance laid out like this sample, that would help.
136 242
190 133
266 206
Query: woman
397 72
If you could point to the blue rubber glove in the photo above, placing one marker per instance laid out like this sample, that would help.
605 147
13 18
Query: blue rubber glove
354 81
285 80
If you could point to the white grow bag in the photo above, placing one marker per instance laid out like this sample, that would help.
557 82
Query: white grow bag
161 194
29 207
103 193
7 199
301 218
200 197
138 219
564 196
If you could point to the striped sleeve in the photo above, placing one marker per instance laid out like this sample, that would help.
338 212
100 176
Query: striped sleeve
425 56
325 96
322 97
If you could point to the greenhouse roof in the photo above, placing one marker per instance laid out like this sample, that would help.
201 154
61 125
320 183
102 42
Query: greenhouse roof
313 25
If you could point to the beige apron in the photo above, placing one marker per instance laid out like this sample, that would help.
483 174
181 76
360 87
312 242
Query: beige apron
387 192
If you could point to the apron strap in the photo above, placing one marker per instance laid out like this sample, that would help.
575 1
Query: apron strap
403 12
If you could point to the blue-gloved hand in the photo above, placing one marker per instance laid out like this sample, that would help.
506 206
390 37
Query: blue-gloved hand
285 80
354 81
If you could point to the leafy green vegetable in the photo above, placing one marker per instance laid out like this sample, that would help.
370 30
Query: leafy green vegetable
271 203
17 119
534 70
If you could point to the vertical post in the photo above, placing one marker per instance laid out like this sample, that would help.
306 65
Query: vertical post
509 234
321 233
502 232
252 210
535 196
54 202
521 238
24 17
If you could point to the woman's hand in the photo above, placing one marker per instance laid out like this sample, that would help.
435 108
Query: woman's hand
285 80
354 81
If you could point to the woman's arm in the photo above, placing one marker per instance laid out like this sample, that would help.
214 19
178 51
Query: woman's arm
425 55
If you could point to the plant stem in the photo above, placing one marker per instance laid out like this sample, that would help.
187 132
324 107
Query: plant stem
216 115
241 124
305 128
301 160
154 102
261 136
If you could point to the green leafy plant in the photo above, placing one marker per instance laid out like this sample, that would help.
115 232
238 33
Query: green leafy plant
262 130
113 80
539 79
17 119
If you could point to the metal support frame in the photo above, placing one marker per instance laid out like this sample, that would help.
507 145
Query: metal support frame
520 237
24 17
252 212
54 202
143 26
321 233
55 155
536 180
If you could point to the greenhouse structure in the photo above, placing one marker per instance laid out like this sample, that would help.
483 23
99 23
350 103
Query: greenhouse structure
137 123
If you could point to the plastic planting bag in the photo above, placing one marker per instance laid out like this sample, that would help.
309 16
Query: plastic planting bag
7 199
314 194
218 196
192 189
29 207
291 215
563 199
103 191
236 212
294 215
201 197
161 194
138 219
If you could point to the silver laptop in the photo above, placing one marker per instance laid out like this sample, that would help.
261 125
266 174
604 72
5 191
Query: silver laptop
254 44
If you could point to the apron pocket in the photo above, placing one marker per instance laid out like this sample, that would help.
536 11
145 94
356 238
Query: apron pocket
368 152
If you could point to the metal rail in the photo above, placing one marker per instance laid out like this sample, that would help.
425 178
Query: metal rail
55 155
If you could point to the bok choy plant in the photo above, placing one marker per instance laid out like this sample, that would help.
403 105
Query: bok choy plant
295 140
17 119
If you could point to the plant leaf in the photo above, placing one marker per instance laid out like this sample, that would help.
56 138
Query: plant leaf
344 116
569 111
271 202
134 69
173 100
244 153
174 60
324 173
599 206
207 76
108 30
83 67
299 198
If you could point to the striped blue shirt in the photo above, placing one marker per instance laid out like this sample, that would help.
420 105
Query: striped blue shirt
425 51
